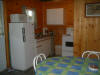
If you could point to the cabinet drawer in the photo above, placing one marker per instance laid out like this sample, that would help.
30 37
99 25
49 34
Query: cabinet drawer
43 46
40 51
43 51
39 44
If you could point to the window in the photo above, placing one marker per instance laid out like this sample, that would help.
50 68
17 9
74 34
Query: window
55 16
31 15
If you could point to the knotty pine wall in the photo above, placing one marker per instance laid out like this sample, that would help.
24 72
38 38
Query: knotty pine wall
86 29
68 6
15 6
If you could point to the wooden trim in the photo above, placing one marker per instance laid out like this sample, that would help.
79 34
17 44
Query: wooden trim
6 35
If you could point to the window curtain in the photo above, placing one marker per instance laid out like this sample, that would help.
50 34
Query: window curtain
1 19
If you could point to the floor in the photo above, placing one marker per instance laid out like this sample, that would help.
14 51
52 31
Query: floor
15 72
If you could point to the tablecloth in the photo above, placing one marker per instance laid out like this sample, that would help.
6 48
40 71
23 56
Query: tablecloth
67 66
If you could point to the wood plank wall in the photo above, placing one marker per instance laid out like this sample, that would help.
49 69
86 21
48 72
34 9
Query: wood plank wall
6 34
86 29
15 6
68 6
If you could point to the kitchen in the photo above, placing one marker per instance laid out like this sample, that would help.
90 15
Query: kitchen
82 42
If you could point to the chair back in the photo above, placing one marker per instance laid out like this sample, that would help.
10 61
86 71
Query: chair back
41 56
90 53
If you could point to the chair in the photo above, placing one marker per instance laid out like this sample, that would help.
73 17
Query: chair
90 53
41 56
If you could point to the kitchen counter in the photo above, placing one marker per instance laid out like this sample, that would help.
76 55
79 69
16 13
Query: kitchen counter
42 38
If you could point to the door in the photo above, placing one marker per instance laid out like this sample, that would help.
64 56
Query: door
2 40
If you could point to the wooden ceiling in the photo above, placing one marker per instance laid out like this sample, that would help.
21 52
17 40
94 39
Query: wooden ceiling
53 0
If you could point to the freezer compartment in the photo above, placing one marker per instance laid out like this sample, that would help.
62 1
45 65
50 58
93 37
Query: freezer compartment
18 18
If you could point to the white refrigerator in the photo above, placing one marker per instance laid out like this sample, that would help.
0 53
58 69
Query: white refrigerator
22 45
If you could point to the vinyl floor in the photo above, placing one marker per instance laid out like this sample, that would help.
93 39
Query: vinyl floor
16 72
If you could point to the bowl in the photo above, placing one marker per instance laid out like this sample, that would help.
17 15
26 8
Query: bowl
93 67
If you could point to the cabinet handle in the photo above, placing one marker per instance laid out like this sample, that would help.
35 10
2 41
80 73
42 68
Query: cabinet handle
23 34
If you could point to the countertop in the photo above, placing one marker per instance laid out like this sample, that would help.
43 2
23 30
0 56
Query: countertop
43 38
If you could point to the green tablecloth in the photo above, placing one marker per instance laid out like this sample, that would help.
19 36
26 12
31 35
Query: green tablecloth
67 66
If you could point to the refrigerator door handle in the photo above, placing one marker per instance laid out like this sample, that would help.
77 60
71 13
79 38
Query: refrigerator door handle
23 34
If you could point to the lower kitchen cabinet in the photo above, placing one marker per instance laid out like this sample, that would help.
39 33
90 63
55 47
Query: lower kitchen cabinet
43 45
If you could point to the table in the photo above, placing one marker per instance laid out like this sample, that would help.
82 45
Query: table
67 66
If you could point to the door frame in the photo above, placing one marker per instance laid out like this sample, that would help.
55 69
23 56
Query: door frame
6 33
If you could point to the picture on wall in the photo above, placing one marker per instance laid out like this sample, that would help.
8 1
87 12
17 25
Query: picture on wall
93 9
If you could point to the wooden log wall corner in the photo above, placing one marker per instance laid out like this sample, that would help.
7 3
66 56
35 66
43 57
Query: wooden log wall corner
6 34
86 29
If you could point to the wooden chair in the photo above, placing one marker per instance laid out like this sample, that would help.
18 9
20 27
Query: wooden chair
90 53
41 56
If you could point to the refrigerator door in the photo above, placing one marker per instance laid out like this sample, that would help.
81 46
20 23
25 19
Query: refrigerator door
18 18
29 44
17 46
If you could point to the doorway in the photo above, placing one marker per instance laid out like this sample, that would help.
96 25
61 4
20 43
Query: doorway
2 40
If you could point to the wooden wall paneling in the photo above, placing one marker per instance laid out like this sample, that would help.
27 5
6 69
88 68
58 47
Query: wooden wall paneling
57 34
68 10
58 40
90 32
81 27
94 23
93 35
68 17
86 29
83 36
98 34
15 6
77 28
6 35
57 37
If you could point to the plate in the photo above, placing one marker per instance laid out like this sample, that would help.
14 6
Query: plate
93 67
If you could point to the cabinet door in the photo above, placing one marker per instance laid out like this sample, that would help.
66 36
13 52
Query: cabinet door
44 46
47 47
